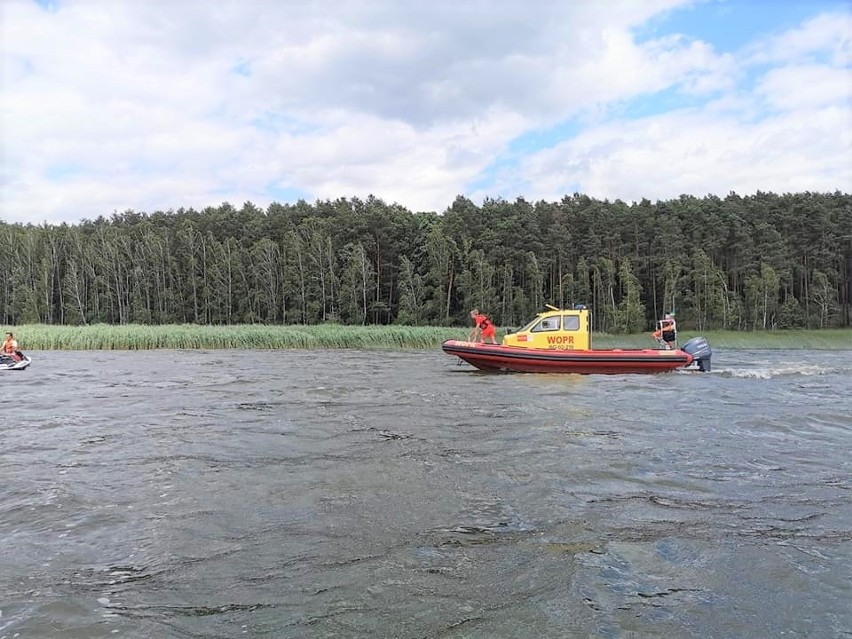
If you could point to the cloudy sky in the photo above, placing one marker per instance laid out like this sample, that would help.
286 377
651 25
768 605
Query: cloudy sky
108 105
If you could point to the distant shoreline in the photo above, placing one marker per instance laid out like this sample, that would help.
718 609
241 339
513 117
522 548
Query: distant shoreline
329 336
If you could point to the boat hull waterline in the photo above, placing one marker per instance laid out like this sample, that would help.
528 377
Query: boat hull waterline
9 364
498 358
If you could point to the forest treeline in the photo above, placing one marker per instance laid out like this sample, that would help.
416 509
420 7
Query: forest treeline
758 262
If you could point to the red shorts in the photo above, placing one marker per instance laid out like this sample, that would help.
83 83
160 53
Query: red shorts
489 331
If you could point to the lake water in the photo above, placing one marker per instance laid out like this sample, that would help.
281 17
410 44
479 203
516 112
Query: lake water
397 494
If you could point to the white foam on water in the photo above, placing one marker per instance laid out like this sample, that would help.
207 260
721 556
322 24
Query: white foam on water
805 370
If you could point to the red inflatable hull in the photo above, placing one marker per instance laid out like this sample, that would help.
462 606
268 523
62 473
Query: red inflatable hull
498 358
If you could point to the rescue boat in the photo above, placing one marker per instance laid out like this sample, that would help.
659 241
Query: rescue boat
559 341
11 364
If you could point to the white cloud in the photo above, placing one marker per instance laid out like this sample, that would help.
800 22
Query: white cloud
789 129
156 105
687 152
804 87
827 34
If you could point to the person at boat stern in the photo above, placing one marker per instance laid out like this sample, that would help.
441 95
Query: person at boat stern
10 347
666 332
483 328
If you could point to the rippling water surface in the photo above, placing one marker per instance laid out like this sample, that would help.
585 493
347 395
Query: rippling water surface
397 494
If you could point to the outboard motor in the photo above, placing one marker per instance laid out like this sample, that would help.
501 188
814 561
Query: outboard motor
700 351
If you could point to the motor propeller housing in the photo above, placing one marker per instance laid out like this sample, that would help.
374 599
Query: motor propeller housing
700 351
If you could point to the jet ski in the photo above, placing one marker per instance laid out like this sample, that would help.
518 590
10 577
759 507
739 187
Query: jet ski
8 363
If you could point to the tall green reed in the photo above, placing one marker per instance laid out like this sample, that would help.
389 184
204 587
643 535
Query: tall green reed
256 336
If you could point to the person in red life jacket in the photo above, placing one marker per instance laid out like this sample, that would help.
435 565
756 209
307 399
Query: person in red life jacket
10 347
483 328
666 332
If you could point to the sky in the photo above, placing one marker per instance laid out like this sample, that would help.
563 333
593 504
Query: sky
147 105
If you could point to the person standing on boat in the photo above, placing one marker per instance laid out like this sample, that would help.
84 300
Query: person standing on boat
10 347
483 328
666 332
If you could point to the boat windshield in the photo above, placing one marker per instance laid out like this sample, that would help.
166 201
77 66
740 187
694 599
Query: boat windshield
547 324
542 324
528 327
569 323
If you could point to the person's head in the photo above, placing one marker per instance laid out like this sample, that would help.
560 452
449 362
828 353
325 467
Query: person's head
668 316
10 335
474 312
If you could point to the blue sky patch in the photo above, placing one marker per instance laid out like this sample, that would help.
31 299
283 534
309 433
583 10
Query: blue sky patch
487 176
539 139
242 68
63 171
48 5
283 194
643 106
729 25
273 122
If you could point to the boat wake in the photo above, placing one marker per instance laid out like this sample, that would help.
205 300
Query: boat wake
804 370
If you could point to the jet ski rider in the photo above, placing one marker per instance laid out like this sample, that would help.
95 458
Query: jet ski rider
10 347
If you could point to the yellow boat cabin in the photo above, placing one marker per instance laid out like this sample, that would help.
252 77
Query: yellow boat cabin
555 329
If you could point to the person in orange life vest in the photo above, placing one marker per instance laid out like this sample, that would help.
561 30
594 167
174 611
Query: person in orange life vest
482 328
10 347
666 332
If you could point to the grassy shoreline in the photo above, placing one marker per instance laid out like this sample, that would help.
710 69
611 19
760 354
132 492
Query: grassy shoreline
190 336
